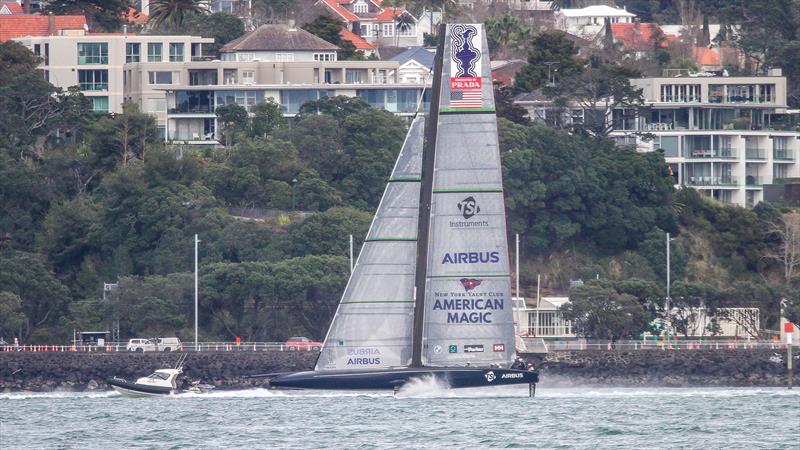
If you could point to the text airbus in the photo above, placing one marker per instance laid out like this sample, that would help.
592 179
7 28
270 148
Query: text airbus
471 258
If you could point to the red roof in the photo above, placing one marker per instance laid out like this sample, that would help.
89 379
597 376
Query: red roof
357 40
340 10
133 16
640 36
13 7
707 56
390 14
24 25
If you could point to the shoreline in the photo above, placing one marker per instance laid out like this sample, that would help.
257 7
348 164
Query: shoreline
71 372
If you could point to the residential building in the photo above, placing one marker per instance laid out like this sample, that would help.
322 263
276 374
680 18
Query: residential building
184 97
378 25
640 39
360 43
10 8
278 43
416 64
588 22
94 62
725 136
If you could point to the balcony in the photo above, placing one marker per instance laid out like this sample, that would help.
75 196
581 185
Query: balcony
753 180
755 153
711 181
722 153
783 154
97 86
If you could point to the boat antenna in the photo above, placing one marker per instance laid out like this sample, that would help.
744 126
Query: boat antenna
181 360
425 197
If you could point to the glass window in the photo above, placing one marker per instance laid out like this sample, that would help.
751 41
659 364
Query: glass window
248 77
388 29
229 76
93 80
93 53
99 104
154 52
292 100
176 52
284 57
197 102
160 77
244 56
132 50
670 146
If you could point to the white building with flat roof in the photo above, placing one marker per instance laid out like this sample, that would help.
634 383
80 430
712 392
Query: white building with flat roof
589 21
94 61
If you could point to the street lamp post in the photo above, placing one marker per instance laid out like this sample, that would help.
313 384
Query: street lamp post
196 242
667 306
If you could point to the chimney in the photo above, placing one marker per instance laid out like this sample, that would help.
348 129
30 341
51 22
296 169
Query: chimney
291 24
125 30
51 25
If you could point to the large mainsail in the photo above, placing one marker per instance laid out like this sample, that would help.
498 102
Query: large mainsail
468 314
372 326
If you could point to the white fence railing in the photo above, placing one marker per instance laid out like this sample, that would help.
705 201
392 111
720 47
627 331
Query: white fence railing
112 347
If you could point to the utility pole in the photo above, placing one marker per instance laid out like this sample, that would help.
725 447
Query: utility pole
516 264
196 277
667 306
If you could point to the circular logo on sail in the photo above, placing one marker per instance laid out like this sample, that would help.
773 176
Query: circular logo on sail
469 207
437 349
490 376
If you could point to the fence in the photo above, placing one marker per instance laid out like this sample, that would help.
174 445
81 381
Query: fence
663 345
113 347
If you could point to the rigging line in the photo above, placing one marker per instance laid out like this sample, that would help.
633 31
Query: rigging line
428 77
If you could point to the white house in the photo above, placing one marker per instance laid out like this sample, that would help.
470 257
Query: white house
588 22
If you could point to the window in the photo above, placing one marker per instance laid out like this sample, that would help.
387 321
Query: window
244 56
46 54
364 30
132 50
324 56
160 77
99 104
248 77
229 76
176 52
284 57
406 30
37 49
93 80
388 29
154 52
780 171
360 7
93 53
355 76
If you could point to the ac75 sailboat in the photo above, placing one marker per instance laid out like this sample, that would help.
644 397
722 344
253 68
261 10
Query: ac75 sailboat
430 294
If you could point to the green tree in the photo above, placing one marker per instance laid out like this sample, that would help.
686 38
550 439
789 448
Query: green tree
102 15
222 27
327 233
173 13
267 116
234 120
154 306
552 57
328 28
12 317
339 107
601 312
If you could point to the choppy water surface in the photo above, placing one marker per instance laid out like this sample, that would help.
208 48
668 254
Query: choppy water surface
423 416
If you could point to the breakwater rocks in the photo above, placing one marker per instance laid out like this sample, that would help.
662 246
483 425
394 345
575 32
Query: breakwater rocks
673 368
227 370
87 371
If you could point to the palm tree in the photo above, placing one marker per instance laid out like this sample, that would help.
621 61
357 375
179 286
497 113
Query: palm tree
401 22
173 12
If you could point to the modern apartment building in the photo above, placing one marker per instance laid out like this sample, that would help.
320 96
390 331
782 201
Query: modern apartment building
184 97
725 136
94 62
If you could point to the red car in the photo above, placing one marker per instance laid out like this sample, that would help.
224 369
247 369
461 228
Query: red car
302 343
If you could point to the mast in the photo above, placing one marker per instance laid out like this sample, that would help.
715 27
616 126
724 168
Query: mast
425 197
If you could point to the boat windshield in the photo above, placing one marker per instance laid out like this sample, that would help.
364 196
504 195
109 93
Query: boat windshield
159 376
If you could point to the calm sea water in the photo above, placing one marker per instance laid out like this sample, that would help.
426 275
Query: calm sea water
423 416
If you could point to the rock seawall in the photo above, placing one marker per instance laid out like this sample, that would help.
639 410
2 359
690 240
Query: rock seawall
227 370
735 367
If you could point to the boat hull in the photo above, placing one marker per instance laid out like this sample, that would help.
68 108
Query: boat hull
455 377
138 390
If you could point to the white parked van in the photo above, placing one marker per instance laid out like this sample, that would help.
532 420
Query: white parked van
170 344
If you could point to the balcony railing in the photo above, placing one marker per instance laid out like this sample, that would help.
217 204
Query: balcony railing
192 110
755 153
752 180
94 86
711 181
709 153
783 154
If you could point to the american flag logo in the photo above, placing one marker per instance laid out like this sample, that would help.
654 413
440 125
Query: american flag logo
466 92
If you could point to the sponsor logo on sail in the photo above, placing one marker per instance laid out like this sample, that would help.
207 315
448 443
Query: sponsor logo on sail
469 310
466 90
469 208
470 283
474 348
363 356
437 349
490 376
471 258
499 347
453 348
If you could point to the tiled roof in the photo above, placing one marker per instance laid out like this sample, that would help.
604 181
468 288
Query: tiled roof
134 16
334 6
707 56
392 13
11 7
639 36
418 54
357 40
277 37
24 25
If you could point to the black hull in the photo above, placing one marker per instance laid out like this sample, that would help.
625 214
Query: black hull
139 388
455 377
